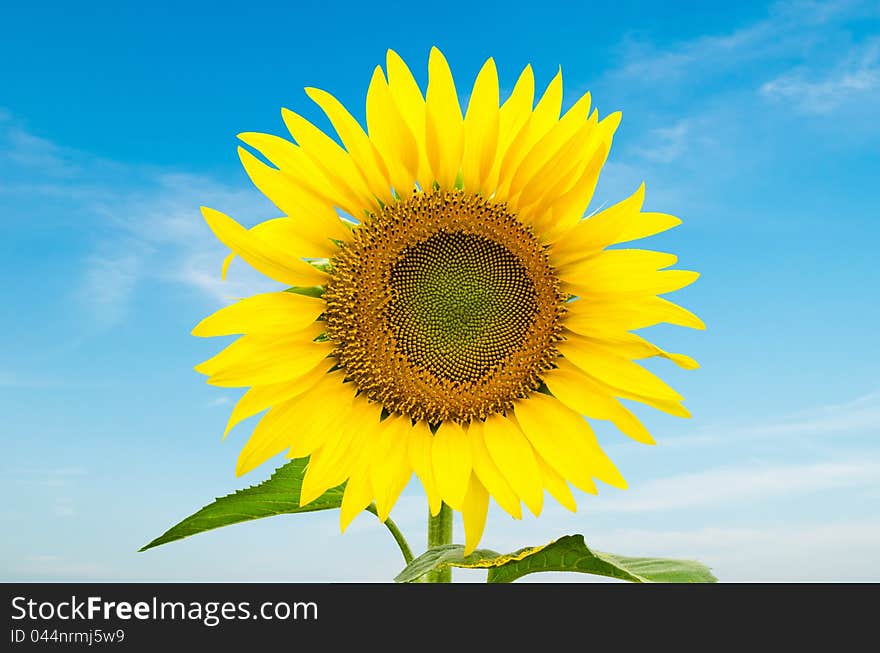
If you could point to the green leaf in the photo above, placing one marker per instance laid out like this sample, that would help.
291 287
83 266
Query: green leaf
568 553
279 495
311 291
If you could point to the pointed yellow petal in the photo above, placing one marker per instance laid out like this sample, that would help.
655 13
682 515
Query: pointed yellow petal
556 485
411 104
419 449
566 442
598 231
627 313
538 123
553 179
391 135
274 312
295 185
630 345
262 255
261 397
489 475
358 495
334 163
359 147
269 361
333 462
513 455
556 139
451 455
473 512
319 412
481 129
308 237
513 116
390 469
569 208
251 346
547 110
583 395
444 137
292 422
615 370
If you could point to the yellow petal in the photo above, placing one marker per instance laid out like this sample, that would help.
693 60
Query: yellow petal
636 282
473 512
553 179
261 397
515 459
556 138
332 464
444 137
250 347
547 110
295 185
626 313
411 104
488 473
419 449
614 370
292 422
273 312
262 255
598 231
309 238
556 485
583 395
334 163
322 410
565 441
451 455
481 129
267 361
569 208
632 346
646 224
391 135
359 147
358 495
390 469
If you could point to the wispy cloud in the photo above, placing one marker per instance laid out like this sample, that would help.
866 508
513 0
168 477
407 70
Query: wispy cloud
860 415
741 484
857 77
145 223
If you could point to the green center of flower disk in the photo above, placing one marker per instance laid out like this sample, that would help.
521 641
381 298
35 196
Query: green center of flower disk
444 306
460 303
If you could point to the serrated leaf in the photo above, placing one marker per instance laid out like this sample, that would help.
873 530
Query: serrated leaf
568 553
441 557
279 495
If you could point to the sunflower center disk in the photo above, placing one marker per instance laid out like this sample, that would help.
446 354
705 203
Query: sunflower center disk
460 304
444 306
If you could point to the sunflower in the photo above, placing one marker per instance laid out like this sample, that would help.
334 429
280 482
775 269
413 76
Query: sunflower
452 312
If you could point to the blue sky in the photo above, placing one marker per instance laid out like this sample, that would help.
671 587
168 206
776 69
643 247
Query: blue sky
757 125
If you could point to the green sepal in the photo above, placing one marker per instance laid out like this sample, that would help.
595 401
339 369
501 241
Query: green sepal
279 495
568 553
311 291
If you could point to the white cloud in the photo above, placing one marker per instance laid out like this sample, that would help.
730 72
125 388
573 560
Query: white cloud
856 77
145 223
667 144
741 484
860 415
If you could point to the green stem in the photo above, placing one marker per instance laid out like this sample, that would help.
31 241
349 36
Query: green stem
396 534
440 533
